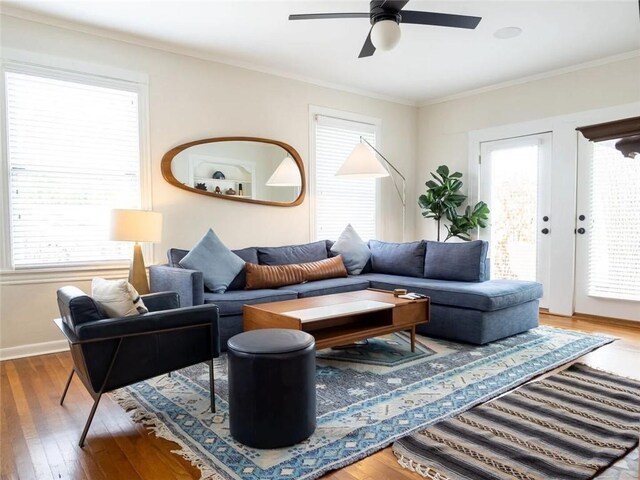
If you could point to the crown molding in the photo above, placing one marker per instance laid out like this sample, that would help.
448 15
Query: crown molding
11 11
533 78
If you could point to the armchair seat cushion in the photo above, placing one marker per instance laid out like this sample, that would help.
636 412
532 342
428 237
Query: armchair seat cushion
231 302
329 286
484 296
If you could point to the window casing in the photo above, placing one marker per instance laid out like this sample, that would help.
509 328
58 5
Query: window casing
338 201
73 152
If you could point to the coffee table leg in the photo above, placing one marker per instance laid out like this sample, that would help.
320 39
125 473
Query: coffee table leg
413 338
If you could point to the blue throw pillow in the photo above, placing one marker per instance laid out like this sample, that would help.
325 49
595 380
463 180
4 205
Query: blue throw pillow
218 264
463 262
355 253
308 252
397 258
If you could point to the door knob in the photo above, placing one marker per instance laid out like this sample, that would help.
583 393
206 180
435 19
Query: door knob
581 231
545 219
545 231
581 218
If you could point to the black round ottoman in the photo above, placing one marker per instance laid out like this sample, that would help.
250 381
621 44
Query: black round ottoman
272 387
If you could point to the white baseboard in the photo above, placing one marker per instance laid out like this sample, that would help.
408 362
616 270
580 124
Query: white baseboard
33 349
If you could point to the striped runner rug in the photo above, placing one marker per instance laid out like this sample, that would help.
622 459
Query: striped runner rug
570 425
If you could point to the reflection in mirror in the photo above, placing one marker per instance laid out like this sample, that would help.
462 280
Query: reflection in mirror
243 169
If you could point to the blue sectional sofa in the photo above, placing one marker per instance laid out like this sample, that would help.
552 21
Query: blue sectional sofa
465 305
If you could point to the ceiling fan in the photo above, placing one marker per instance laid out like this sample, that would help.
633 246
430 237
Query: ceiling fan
386 16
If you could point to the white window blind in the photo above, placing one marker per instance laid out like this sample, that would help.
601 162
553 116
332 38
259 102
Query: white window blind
339 202
614 248
73 155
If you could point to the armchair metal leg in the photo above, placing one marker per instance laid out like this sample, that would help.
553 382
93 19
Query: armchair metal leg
102 390
212 390
66 387
89 420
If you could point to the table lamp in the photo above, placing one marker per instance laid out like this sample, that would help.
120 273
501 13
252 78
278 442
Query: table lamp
136 226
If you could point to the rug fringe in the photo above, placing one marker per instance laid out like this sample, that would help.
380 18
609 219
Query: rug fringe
156 426
423 470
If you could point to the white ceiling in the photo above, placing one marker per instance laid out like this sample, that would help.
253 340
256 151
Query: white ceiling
429 63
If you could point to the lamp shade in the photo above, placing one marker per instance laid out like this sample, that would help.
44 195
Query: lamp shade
286 175
136 225
362 163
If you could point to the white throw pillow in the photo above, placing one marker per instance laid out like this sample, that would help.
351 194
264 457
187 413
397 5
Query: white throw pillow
117 297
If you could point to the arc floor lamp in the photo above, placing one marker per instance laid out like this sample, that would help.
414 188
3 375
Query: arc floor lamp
362 163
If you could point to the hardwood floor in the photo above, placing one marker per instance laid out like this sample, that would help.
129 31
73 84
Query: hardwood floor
38 438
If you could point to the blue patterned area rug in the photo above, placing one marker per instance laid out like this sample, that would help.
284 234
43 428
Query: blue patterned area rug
368 397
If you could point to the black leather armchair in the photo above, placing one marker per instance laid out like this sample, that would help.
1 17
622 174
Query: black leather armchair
109 353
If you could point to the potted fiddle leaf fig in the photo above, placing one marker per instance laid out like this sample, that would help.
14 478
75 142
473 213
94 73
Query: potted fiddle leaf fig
442 200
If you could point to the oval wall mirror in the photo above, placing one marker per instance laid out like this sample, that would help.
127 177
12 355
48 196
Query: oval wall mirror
242 169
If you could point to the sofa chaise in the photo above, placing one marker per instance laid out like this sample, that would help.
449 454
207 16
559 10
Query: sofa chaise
465 305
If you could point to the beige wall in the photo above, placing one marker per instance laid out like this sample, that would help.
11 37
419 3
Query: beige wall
444 127
191 99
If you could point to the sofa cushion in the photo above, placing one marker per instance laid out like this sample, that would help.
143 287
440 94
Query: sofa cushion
218 264
248 255
329 286
463 262
273 276
354 251
485 296
308 252
397 258
231 302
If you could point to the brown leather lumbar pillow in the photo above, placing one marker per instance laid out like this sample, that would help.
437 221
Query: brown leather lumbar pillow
330 268
272 276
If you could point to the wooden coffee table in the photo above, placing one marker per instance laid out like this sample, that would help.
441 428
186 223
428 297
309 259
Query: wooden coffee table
341 318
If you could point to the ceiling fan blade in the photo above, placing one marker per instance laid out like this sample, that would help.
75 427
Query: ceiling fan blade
320 16
439 19
367 49
394 5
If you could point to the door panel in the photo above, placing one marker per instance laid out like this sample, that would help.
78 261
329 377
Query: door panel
607 232
514 181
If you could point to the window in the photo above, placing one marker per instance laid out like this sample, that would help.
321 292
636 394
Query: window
614 251
339 202
73 154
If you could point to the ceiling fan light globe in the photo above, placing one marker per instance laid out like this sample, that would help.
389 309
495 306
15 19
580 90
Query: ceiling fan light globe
385 34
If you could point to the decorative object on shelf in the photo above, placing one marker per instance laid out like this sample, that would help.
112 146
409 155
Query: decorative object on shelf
362 163
230 191
217 191
240 192
248 161
136 226
286 175
201 186
443 198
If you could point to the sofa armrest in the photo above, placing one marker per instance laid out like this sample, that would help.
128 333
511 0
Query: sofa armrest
189 284
150 323
161 301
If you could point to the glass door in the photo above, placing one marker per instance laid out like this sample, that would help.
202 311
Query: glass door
607 232
514 181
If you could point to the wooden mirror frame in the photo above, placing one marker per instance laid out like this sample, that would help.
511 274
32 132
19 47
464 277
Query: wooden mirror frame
165 167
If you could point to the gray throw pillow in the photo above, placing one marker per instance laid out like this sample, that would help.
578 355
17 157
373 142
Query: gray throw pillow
308 252
218 264
397 258
463 262
354 251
